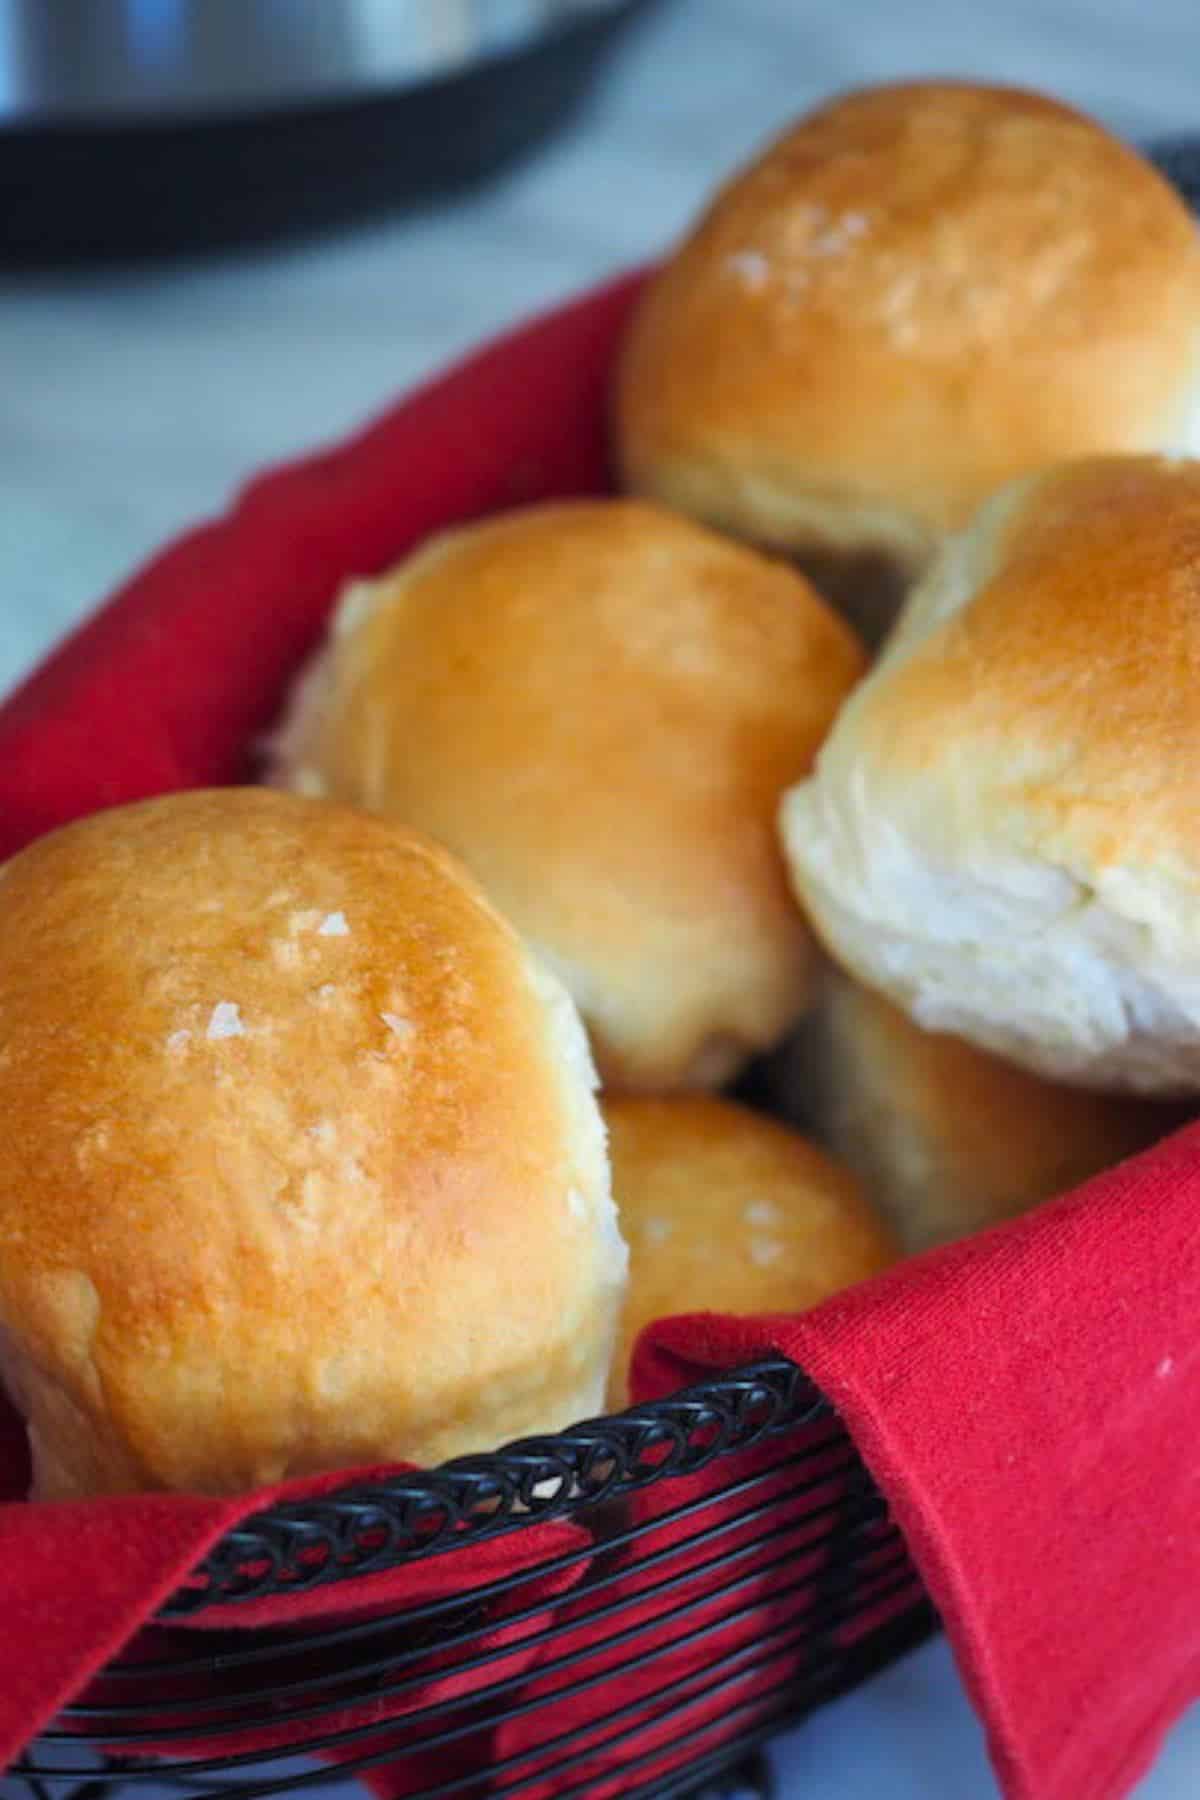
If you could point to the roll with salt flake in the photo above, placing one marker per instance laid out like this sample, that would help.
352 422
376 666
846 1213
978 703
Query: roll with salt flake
919 292
301 1166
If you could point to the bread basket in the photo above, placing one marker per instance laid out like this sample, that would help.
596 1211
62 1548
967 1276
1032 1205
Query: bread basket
633 1606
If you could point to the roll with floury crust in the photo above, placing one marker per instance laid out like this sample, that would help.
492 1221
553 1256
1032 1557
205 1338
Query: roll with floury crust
728 1211
597 705
301 1165
1003 830
916 294
947 1139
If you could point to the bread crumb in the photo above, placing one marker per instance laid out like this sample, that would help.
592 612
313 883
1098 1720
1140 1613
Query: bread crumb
656 1232
226 1021
309 783
178 1042
322 1132
401 1028
764 1251
326 991
333 925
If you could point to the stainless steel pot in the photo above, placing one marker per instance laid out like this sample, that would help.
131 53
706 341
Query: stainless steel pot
142 126
70 60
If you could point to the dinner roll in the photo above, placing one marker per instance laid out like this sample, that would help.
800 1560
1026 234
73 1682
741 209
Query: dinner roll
597 705
726 1210
1003 832
948 1139
916 294
301 1166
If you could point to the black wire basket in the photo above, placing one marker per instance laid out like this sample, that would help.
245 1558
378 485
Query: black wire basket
733 1567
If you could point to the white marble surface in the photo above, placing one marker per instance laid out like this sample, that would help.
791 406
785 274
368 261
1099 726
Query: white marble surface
131 404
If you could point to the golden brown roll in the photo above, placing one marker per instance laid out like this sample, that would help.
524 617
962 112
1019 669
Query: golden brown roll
947 1139
726 1210
301 1165
916 294
1003 831
597 705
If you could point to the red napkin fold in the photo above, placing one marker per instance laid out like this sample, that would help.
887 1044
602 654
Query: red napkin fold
81 1579
1029 1402
171 683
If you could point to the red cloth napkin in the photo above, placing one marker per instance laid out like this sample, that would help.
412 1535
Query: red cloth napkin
1029 1402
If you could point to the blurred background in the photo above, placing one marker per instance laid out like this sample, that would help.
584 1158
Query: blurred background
233 229
135 397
